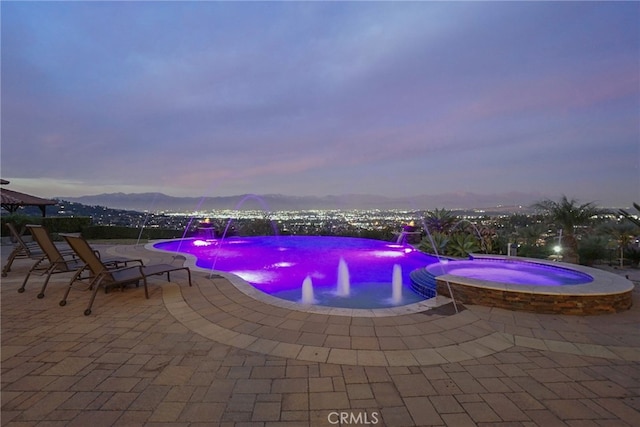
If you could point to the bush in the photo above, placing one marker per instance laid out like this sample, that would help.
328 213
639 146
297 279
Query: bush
386 234
632 255
63 224
440 240
534 251
462 244
117 232
19 221
55 225
592 249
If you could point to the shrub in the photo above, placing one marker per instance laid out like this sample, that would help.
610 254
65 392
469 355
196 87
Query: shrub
55 225
632 254
65 224
534 251
440 241
592 249
118 232
19 221
462 244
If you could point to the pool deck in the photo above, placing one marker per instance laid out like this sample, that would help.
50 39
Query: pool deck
212 355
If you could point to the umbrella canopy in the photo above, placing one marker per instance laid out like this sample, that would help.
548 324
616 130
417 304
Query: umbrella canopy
8 199
13 200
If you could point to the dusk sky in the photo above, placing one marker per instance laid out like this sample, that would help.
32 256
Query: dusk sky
322 98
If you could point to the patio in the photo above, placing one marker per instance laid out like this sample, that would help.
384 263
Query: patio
211 355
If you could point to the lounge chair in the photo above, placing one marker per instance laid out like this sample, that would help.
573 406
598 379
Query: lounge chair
105 275
25 250
55 261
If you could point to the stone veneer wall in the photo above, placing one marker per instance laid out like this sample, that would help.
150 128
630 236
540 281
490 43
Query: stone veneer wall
538 303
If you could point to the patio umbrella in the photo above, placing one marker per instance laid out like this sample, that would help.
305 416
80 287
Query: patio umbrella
13 200
7 199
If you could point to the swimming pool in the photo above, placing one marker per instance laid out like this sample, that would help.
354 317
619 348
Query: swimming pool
278 266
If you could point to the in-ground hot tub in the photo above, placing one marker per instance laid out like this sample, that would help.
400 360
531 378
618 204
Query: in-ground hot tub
527 285
517 272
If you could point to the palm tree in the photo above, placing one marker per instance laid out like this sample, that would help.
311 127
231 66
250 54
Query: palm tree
568 214
630 217
488 239
622 233
529 240
439 221
532 234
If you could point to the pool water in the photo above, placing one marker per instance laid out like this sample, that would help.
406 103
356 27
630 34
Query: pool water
513 272
278 265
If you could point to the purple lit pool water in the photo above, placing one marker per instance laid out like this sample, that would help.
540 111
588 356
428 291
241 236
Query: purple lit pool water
278 266
511 271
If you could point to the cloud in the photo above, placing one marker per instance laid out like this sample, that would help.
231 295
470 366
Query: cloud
314 97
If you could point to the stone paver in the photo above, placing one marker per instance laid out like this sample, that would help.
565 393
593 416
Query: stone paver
212 355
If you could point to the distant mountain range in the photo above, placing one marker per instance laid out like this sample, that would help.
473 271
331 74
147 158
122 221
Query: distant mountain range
156 202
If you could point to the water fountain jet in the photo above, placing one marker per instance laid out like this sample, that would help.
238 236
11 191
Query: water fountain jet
435 250
344 283
307 291
396 285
